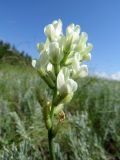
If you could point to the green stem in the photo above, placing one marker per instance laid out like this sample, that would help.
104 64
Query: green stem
50 131
56 68
66 54
51 135
51 145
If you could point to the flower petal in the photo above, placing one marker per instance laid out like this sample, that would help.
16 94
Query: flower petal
49 67
60 80
49 30
71 85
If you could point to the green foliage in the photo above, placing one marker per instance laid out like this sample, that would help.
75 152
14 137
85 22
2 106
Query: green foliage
90 131
11 55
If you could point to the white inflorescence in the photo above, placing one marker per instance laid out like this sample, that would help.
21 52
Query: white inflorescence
66 51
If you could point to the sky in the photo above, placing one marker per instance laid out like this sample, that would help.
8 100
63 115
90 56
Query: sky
22 24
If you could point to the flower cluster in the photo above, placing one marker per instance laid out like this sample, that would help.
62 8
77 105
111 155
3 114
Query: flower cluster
61 57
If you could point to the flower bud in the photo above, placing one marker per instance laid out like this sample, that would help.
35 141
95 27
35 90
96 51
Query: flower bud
88 48
83 38
58 109
49 30
46 78
54 53
68 98
58 27
43 61
50 71
40 46
49 67
34 63
87 57
83 71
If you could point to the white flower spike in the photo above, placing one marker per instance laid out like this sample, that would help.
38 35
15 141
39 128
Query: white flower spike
62 56
60 63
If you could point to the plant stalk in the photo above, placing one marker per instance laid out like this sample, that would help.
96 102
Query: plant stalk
50 131
51 145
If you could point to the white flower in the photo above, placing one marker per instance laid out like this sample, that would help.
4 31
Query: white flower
42 61
72 32
58 27
85 52
81 43
64 83
49 67
54 52
40 46
77 69
49 30
82 46
43 46
88 48
87 56
83 71
83 38
33 62
54 30
76 62
51 72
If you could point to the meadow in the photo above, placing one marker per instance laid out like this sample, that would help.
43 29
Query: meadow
91 130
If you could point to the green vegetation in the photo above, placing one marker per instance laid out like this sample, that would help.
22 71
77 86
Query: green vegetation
91 130
11 55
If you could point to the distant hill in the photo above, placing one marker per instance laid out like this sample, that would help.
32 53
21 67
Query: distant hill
10 55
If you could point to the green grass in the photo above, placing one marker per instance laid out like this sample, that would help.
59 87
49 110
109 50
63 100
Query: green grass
91 130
